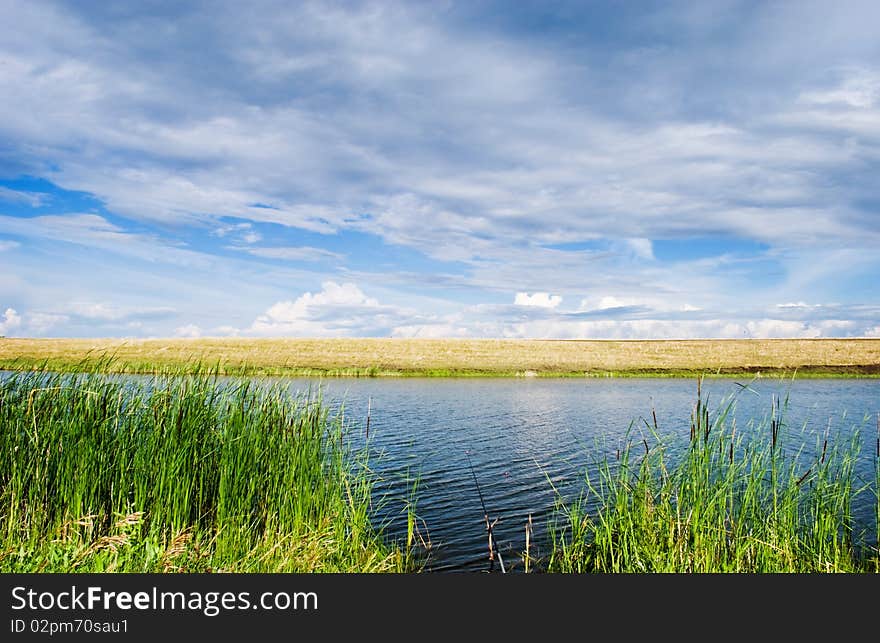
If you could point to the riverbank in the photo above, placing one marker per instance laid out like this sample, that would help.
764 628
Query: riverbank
389 357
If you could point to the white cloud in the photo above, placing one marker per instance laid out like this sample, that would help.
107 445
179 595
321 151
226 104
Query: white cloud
768 328
860 88
538 299
836 327
608 302
336 310
95 231
303 253
632 322
643 248
643 305
8 245
227 331
9 322
81 319
660 329
332 294
33 199
189 330
223 230
39 323
111 313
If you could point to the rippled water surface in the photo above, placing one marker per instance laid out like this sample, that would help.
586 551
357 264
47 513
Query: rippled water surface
524 434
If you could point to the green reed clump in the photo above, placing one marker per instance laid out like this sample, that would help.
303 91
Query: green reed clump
179 473
730 502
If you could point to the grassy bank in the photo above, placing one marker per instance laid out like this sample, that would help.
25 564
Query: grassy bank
452 358
178 475
728 503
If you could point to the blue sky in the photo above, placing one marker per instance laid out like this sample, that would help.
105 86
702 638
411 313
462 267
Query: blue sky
442 169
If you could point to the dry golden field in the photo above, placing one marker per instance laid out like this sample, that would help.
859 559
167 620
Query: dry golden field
446 357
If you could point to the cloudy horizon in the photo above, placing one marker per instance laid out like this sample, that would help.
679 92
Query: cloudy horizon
445 169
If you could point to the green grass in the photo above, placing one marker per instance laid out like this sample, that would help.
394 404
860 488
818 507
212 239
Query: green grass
731 502
109 363
179 474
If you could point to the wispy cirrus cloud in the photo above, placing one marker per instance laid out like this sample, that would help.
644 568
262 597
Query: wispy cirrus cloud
109 312
303 253
33 199
96 232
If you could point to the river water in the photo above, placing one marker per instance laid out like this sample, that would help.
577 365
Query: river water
520 442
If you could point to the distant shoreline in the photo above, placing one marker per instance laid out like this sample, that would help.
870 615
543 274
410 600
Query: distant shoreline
392 357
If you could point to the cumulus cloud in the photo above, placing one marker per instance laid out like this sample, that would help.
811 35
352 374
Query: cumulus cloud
9 322
337 310
621 319
567 328
538 299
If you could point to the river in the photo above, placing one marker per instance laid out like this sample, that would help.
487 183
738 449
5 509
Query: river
520 442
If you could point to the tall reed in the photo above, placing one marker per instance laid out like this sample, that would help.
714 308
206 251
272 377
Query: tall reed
179 473
728 501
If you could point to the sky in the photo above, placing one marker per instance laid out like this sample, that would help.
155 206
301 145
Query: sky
612 170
